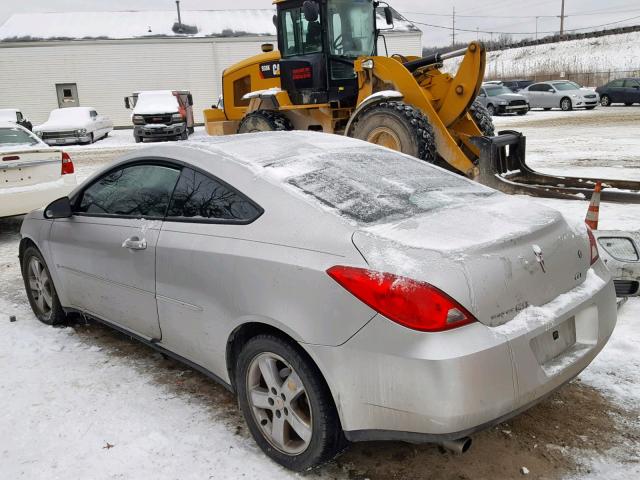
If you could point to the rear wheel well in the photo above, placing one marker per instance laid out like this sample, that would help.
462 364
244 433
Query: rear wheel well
24 244
241 335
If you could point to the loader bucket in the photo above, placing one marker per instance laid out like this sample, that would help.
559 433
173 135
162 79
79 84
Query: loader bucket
502 166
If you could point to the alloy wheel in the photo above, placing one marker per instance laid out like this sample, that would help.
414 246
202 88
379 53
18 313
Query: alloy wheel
279 403
40 286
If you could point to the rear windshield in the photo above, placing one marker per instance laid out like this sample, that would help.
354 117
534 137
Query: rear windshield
375 186
16 136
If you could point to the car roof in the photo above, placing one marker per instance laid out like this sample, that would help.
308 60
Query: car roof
14 110
5 124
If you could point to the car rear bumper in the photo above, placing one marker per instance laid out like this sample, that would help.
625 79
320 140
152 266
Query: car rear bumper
22 200
159 131
393 383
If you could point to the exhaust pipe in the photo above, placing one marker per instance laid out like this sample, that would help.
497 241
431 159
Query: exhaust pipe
458 446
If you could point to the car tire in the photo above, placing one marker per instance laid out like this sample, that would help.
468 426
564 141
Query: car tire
546 109
589 108
398 126
184 135
482 117
137 138
605 101
191 130
566 105
91 139
491 109
264 121
628 104
523 112
41 292
267 371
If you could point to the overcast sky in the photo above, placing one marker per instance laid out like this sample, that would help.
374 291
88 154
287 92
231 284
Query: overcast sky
517 16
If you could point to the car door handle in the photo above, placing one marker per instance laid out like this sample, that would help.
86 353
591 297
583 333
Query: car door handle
134 243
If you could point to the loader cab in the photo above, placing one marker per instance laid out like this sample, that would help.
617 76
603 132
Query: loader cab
318 42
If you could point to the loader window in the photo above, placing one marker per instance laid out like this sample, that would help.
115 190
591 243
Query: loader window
241 87
351 28
299 37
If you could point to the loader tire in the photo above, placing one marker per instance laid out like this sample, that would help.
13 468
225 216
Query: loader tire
397 126
483 119
264 121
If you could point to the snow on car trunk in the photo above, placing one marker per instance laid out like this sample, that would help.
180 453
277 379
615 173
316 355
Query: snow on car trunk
496 256
66 119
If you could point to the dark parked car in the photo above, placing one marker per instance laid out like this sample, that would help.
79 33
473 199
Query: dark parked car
516 85
622 90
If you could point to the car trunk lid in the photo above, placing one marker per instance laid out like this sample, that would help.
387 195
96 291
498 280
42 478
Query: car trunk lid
27 167
495 257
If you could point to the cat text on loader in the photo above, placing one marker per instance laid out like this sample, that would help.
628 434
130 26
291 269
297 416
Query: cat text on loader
327 76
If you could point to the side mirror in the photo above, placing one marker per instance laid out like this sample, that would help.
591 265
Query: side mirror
275 21
127 104
311 10
190 100
60 208
388 16
482 94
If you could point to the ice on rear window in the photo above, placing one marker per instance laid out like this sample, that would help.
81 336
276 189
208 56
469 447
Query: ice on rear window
374 185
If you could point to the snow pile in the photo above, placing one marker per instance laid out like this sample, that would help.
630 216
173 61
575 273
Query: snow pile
156 101
72 407
602 54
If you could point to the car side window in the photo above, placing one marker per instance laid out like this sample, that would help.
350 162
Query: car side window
538 87
135 191
631 83
93 114
616 83
19 117
201 197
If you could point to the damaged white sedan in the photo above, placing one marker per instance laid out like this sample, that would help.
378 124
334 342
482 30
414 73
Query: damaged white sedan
343 291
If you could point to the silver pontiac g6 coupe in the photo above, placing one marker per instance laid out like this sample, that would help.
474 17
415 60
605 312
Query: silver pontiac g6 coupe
343 291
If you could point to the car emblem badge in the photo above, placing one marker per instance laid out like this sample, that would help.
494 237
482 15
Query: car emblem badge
539 257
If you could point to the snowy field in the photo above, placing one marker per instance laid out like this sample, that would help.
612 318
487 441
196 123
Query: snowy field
83 402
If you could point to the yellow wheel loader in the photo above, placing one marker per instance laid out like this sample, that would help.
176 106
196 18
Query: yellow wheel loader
327 76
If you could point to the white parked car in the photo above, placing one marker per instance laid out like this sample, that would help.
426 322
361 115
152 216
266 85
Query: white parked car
74 125
561 94
32 174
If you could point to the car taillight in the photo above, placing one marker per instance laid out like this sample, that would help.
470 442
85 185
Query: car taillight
593 246
410 303
67 164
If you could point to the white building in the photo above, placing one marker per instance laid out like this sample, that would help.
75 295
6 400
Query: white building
95 59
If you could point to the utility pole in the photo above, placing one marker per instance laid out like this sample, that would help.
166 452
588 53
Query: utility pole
537 28
453 30
562 20
477 34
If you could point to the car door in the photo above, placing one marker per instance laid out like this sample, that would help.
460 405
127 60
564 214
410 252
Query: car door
548 96
632 90
616 91
198 254
106 251
533 94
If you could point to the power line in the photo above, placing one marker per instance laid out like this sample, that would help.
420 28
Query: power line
587 14
524 33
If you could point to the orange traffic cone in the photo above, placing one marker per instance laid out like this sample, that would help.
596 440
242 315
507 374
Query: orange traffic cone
593 213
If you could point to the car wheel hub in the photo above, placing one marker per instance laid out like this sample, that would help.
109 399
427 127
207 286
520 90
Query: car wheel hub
279 403
40 286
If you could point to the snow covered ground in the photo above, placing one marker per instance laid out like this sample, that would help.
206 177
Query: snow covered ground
84 402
